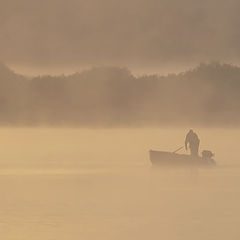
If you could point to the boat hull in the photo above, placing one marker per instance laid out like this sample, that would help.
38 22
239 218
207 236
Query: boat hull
161 158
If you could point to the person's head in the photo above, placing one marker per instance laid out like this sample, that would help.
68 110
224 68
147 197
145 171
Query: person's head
190 131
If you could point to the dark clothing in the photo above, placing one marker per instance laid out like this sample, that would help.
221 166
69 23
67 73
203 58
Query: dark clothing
193 141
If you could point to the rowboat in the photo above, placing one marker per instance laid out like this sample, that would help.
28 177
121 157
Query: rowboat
161 158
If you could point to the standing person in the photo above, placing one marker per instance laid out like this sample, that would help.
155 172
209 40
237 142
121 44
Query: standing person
193 141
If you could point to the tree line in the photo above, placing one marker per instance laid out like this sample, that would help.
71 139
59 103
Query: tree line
113 96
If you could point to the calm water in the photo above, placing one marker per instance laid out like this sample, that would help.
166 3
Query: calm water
69 184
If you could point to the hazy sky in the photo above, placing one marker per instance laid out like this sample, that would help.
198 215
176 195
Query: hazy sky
139 34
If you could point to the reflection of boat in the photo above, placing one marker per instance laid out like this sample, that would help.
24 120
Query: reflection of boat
160 158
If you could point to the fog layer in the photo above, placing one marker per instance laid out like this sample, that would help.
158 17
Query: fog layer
109 96
139 34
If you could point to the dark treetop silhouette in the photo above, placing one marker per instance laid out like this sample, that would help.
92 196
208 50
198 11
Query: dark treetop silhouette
112 96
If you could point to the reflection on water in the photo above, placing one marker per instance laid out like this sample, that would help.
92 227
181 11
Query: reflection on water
99 184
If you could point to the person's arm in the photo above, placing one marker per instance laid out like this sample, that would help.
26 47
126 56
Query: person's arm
186 143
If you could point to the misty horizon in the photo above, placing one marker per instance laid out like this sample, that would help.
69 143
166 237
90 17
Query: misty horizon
32 73
29 71
206 95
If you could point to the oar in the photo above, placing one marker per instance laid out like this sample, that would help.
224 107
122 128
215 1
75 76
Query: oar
178 149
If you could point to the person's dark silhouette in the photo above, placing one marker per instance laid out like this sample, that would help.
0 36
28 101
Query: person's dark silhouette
193 141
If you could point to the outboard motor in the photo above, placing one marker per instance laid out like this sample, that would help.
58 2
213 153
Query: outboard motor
207 154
